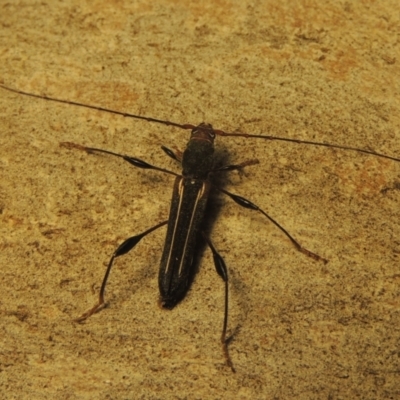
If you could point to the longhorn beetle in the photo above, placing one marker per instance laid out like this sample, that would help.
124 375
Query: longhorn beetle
188 204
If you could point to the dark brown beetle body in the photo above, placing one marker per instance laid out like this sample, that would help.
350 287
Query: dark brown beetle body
189 200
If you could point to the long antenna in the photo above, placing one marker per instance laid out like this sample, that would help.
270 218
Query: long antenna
190 126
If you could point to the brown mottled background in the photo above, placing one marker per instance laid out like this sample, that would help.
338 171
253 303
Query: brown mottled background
323 71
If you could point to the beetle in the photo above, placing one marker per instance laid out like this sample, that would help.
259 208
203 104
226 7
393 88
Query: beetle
188 208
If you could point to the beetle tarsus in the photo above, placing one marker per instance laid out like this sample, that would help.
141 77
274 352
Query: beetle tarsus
98 307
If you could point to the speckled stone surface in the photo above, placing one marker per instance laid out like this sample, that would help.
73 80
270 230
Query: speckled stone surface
321 71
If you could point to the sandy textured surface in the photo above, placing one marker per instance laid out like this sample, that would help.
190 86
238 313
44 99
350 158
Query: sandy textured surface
297 69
